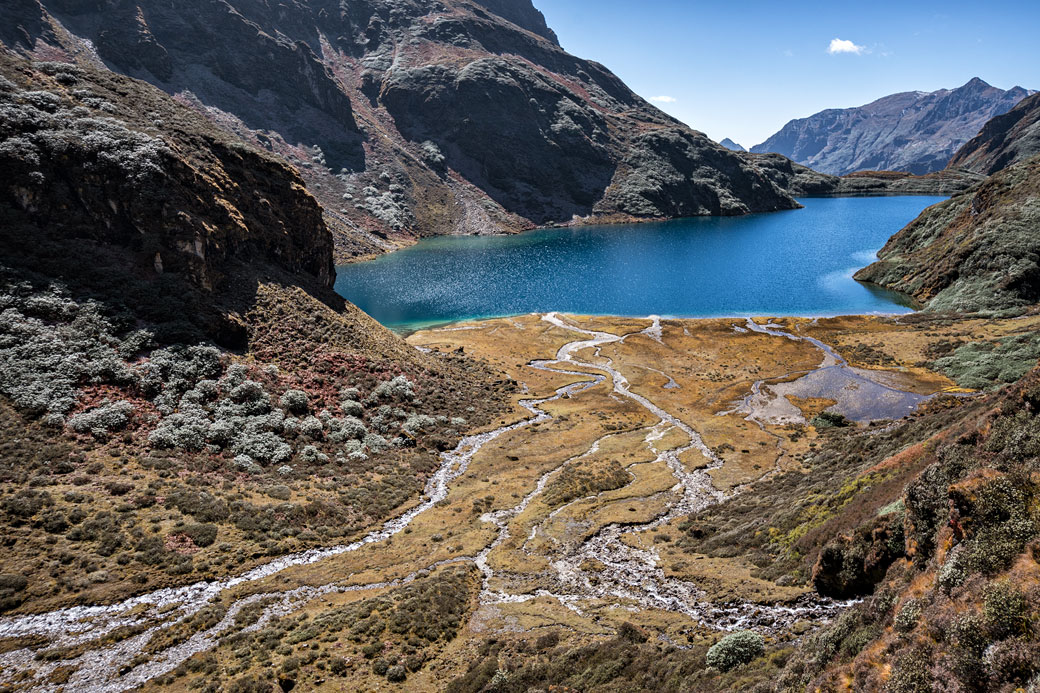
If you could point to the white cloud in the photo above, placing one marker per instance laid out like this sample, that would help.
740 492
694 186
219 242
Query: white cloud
663 99
844 46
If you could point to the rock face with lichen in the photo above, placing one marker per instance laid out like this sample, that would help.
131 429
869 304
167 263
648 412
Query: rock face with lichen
408 118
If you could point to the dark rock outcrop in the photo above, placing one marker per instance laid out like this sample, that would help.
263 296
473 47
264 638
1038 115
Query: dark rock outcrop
1004 140
87 154
409 118
915 132
850 565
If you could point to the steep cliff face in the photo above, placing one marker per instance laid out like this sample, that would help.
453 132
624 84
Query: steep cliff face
916 132
977 251
410 118
1004 140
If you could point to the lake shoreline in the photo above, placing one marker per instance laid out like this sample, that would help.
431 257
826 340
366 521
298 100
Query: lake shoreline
801 264
608 221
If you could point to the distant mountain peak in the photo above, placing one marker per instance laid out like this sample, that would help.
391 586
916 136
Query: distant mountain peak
731 145
976 82
913 131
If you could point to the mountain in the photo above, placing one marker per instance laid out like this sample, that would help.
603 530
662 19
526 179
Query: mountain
916 132
1002 141
731 145
408 118
980 250
802 181
977 251
167 299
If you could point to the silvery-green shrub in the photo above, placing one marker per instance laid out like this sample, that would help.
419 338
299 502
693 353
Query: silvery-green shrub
295 401
735 649
101 420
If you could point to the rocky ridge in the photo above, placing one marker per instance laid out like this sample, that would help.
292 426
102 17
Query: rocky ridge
916 132
802 181
1004 140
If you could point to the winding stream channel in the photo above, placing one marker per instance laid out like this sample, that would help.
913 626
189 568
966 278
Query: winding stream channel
628 573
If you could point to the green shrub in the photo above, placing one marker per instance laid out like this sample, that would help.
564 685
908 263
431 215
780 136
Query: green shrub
829 419
912 672
295 401
952 572
201 534
279 492
1005 610
735 649
906 620
101 420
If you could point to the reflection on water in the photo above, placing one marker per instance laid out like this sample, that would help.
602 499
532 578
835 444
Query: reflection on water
798 262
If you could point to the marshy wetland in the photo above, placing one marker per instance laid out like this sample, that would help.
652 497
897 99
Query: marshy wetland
570 515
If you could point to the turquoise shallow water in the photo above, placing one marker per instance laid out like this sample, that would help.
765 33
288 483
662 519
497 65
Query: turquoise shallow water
798 262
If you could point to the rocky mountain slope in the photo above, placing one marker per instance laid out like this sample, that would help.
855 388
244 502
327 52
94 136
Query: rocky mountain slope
916 132
180 389
1008 138
979 250
408 118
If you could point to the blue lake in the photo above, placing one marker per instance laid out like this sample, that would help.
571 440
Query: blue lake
798 262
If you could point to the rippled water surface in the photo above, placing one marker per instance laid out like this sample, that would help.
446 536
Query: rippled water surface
786 263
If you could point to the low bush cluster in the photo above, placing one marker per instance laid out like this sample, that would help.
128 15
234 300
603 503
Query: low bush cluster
394 634
735 649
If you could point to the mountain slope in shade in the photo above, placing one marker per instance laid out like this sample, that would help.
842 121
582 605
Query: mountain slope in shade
731 145
411 118
1003 141
916 132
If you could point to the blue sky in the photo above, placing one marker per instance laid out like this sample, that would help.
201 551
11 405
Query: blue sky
743 68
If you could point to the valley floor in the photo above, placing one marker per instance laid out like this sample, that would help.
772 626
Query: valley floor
562 521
